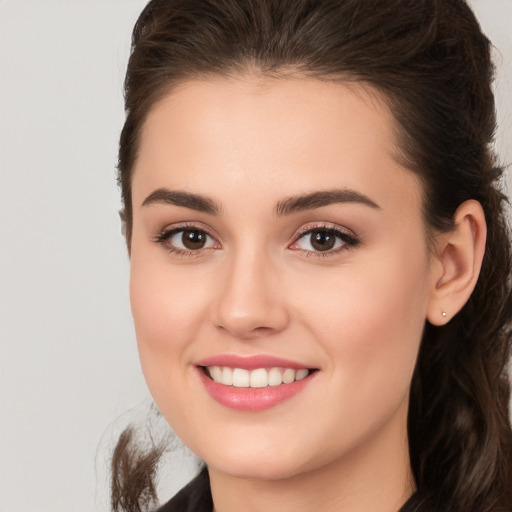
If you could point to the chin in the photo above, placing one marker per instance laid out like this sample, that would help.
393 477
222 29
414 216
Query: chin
257 469
259 463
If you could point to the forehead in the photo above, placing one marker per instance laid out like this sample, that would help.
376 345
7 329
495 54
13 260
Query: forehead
277 136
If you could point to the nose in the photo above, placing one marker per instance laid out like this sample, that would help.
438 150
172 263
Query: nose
250 302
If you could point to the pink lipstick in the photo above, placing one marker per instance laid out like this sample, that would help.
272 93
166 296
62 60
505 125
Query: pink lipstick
252 383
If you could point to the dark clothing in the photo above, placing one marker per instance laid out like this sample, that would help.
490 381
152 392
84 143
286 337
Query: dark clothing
196 497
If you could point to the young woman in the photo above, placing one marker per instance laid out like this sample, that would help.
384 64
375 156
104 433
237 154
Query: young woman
320 263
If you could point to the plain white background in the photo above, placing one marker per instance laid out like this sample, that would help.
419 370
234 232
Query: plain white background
68 363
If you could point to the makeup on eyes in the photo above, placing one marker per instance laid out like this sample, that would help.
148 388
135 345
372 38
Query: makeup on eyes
193 235
313 240
324 237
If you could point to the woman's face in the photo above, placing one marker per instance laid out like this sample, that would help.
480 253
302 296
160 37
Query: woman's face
276 235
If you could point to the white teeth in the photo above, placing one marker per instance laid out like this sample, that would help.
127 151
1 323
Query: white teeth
259 378
288 376
227 376
274 377
301 374
241 378
216 373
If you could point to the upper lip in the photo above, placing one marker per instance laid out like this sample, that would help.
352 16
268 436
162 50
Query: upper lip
250 362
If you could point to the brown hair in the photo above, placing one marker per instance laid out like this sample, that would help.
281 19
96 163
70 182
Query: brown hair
431 62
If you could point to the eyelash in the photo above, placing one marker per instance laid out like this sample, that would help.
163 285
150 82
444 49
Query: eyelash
348 239
168 233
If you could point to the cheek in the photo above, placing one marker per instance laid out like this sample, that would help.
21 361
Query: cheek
371 324
167 317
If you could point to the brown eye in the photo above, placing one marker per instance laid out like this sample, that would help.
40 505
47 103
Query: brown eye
193 239
186 240
326 240
322 240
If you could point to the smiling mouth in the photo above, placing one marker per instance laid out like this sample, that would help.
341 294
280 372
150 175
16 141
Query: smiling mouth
257 378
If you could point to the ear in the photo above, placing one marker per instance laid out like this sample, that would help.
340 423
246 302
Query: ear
456 263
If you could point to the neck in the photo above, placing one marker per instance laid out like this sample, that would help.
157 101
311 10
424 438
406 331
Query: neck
376 475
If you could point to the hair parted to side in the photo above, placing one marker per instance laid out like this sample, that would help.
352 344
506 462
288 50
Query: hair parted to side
431 63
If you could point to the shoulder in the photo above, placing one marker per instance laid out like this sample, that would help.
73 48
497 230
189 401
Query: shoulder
194 497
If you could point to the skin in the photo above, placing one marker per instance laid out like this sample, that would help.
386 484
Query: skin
355 313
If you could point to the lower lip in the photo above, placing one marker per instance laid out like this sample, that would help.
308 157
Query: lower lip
252 399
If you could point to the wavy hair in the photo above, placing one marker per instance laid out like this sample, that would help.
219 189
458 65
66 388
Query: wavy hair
431 63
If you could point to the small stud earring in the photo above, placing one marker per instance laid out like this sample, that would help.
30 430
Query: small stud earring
444 314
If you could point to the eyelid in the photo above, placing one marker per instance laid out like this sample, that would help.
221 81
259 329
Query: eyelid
178 226
327 226
163 235
349 238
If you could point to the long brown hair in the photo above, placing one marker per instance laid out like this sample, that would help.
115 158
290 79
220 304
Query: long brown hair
431 63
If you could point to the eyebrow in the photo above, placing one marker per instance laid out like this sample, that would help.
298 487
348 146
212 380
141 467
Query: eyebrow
185 199
322 198
285 207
